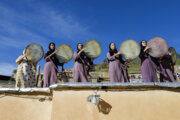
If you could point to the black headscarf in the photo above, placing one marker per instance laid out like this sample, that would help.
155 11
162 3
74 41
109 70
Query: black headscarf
142 53
112 51
82 55
143 47
53 57
50 50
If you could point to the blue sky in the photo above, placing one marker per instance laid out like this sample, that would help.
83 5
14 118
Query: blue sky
72 21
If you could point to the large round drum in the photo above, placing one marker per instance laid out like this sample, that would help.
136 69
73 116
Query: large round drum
174 55
34 52
92 48
64 53
157 47
130 49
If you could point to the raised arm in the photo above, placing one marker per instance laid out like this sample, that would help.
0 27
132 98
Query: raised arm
110 57
47 57
20 58
142 55
76 56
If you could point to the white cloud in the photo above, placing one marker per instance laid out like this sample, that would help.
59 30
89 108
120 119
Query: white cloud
34 23
66 26
41 24
7 69
13 34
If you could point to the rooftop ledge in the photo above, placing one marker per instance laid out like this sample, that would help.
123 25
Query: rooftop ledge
94 86
116 86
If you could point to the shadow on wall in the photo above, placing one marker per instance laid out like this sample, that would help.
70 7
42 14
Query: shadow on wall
104 107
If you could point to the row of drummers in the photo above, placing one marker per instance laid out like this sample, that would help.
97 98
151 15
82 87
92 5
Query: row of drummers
154 55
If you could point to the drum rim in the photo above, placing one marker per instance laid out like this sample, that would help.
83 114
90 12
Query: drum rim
37 45
174 55
99 47
157 38
136 44
69 47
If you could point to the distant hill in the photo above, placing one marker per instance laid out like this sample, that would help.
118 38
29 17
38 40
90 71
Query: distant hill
178 56
134 66
178 59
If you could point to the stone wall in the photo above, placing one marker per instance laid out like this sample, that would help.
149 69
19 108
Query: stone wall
153 101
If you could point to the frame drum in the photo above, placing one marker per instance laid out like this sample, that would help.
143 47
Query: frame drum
157 47
34 52
130 49
64 53
93 48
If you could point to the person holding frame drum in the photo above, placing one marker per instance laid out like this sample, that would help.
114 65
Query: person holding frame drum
26 71
80 73
51 66
117 66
